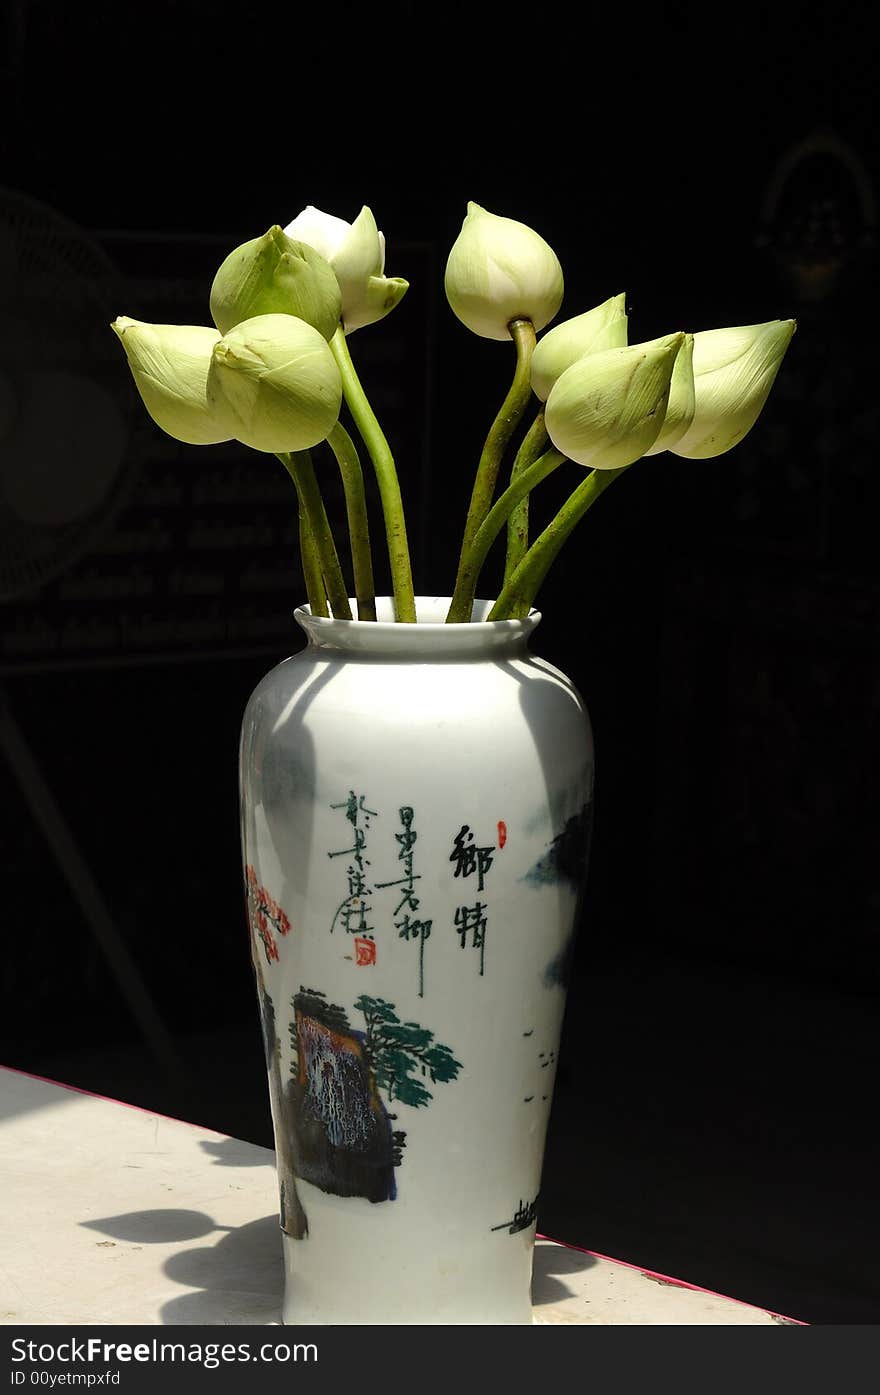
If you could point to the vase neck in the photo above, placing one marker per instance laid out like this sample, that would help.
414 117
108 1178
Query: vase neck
429 639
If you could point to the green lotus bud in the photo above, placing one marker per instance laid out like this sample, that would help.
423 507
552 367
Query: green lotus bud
607 409
603 327
500 270
680 407
356 252
278 378
734 370
169 364
274 275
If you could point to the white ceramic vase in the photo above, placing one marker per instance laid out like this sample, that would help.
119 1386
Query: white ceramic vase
416 803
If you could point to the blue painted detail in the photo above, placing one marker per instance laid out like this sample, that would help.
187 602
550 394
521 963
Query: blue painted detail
566 858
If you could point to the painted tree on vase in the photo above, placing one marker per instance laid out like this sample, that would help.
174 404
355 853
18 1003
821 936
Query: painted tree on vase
565 861
265 915
343 1137
293 1218
395 1049
568 853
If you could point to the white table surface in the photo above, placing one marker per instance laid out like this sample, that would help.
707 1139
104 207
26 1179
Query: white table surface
112 1214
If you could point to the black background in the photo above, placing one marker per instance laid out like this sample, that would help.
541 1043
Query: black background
715 1114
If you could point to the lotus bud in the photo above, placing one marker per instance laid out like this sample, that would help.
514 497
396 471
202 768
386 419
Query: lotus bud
734 370
356 252
278 379
498 271
169 364
271 275
603 327
606 410
680 407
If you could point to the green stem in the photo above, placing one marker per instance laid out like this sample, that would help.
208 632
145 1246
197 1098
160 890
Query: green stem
299 464
386 477
534 443
344 449
501 511
311 567
315 589
522 333
519 592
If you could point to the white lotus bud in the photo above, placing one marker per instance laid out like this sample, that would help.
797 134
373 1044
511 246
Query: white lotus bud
272 275
279 380
680 407
498 271
356 252
607 409
169 364
603 327
734 370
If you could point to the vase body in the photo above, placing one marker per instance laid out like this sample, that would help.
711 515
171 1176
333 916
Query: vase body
416 804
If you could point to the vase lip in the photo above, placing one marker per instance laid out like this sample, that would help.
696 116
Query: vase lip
430 636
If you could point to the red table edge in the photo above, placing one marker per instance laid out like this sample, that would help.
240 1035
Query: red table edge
648 1273
675 1283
